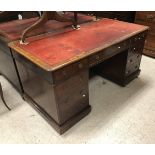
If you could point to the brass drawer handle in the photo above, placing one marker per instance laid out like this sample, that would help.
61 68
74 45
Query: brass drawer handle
84 95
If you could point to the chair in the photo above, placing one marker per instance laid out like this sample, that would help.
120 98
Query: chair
2 97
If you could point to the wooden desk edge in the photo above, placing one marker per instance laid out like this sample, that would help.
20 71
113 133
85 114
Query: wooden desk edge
49 68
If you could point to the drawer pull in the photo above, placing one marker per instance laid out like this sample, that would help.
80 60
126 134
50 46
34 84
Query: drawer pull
84 95
119 47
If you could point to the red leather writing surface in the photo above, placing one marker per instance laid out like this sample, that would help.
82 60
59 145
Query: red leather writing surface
12 30
58 49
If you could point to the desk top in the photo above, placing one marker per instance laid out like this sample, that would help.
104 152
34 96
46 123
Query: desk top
54 51
12 30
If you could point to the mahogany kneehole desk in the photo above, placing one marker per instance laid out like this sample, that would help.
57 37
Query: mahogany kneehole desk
54 69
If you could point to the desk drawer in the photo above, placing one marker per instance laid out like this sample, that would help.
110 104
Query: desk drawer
65 72
138 39
135 51
132 66
108 52
95 59
134 59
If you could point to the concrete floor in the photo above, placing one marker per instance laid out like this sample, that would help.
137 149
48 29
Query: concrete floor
119 115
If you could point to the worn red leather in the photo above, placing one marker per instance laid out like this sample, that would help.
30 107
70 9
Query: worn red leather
69 45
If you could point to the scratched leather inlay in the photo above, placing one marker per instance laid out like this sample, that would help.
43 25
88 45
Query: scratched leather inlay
62 48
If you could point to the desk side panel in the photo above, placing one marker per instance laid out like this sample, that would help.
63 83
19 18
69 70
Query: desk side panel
37 86
7 66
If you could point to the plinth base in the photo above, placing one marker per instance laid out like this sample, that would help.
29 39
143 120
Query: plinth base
59 128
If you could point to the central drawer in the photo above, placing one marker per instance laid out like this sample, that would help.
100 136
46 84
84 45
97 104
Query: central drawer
108 52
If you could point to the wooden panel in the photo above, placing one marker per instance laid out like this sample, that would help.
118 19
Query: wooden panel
8 70
145 16
150 42
135 53
39 71
7 66
72 95
68 71
38 89
127 16
148 18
